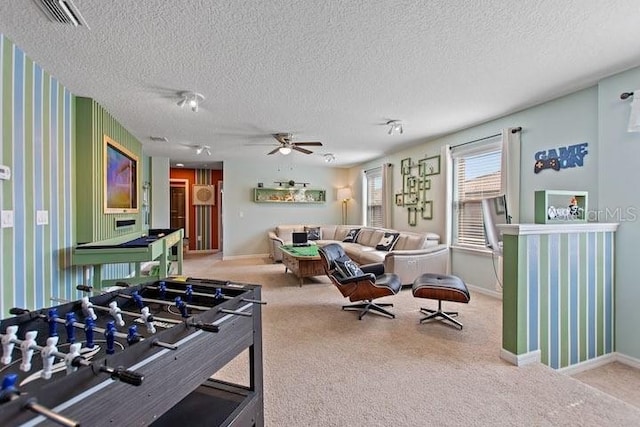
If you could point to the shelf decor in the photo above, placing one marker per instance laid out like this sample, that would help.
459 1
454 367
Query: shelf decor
558 206
289 195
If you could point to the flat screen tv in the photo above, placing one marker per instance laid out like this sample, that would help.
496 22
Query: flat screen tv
120 178
494 212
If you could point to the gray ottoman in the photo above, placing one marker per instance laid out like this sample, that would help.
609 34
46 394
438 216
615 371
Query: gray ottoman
440 287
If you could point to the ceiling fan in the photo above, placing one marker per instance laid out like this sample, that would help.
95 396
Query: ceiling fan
286 145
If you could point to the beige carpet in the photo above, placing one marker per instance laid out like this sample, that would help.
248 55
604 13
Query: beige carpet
325 367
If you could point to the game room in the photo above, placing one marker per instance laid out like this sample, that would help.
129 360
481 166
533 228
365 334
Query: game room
156 161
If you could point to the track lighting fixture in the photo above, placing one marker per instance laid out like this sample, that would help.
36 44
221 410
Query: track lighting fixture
395 126
192 99
203 149
329 158
284 150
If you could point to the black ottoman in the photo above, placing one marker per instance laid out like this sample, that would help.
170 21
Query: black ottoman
443 288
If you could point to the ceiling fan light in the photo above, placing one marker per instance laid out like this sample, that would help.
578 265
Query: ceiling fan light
329 158
284 150
182 102
199 150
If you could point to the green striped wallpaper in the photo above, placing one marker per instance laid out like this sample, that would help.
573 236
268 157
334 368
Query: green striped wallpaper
37 143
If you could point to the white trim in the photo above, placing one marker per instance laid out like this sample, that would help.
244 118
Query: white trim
588 364
520 359
584 227
485 291
627 360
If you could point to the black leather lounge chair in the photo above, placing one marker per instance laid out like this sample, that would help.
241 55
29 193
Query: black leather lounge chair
359 283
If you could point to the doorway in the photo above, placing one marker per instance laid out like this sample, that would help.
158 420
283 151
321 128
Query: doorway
178 207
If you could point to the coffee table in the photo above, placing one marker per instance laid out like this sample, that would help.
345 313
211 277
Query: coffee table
303 261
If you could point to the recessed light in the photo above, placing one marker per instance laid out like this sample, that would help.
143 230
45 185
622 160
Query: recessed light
179 165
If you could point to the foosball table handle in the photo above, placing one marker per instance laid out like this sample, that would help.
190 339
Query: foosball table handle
34 406
254 301
124 375
236 312
207 327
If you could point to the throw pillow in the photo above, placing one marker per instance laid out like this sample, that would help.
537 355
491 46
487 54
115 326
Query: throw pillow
347 268
351 235
387 242
313 233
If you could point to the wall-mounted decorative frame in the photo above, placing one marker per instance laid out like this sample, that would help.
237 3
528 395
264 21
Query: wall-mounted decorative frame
499 205
405 166
289 195
429 166
120 178
427 209
413 216
204 195
399 199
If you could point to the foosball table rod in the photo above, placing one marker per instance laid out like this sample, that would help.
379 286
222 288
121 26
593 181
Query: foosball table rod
34 406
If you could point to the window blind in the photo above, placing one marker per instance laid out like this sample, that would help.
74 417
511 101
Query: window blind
374 197
477 175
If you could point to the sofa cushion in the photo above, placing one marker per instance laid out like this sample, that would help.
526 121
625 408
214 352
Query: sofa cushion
313 233
284 231
347 268
370 236
410 242
351 235
387 242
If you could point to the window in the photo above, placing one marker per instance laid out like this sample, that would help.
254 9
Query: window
374 210
477 174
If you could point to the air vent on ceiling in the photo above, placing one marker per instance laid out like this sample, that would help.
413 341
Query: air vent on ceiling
62 11
158 139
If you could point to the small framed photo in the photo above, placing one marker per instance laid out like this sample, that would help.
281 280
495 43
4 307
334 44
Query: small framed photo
427 209
405 166
399 199
429 166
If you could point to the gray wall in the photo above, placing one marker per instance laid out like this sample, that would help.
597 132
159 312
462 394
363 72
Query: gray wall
620 200
246 223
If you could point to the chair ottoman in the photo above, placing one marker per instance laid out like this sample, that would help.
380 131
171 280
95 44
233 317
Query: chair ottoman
441 287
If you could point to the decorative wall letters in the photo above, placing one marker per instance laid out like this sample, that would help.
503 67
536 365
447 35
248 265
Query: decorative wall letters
561 158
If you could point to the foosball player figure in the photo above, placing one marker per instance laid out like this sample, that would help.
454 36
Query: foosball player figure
147 318
74 352
8 392
71 329
133 336
182 306
48 357
218 294
109 333
53 322
116 313
8 344
188 293
163 290
88 331
27 350
138 299
87 309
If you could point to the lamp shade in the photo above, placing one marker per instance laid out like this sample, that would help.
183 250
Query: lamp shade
344 193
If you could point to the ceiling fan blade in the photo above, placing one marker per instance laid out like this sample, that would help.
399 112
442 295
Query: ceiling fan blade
274 151
314 143
280 137
302 150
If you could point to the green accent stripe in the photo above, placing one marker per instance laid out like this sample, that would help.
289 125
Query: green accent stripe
29 185
46 154
521 298
7 158
582 300
564 299
600 328
544 298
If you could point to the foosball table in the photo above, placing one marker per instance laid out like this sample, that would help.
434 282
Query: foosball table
135 356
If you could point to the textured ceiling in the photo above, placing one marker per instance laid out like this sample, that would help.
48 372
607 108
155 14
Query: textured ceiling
330 71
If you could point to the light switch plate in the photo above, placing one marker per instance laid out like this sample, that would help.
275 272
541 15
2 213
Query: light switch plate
5 172
7 219
42 217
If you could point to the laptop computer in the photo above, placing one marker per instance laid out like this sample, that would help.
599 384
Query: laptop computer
299 238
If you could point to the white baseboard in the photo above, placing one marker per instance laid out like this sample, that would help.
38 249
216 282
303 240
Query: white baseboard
588 364
627 360
520 359
232 257
485 291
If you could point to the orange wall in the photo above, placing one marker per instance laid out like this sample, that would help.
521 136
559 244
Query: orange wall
195 228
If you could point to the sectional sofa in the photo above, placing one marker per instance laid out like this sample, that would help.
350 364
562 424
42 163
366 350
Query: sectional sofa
411 255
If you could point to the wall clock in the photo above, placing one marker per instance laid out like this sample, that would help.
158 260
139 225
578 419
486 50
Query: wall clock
204 194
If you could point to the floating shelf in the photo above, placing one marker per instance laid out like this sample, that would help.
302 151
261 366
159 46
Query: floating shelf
289 195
